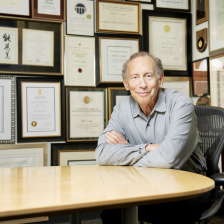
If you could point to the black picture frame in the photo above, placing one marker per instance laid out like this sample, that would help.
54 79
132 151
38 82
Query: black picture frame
113 92
98 62
56 27
188 43
200 77
85 110
61 114
56 147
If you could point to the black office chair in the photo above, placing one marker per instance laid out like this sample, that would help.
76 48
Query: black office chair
211 131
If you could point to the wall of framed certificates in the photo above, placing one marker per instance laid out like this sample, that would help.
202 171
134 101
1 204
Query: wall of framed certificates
61 63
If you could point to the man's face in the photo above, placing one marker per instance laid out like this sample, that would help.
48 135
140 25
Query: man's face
142 80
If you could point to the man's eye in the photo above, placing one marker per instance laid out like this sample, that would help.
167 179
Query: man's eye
134 77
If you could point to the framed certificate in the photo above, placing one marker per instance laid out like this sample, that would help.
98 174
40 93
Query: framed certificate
31 47
86 111
142 1
216 70
183 5
65 154
79 61
40 115
181 84
115 94
216 27
167 35
201 11
51 10
113 52
23 155
15 8
80 17
200 73
118 17
9 45
7 109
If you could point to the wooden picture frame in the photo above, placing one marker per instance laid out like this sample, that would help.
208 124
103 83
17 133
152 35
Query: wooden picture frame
201 11
23 155
53 10
118 17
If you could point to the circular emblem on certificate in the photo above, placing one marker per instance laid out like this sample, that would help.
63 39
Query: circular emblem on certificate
80 70
86 99
167 28
88 16
34 123
80 8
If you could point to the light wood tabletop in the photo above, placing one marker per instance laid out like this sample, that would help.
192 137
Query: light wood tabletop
33 191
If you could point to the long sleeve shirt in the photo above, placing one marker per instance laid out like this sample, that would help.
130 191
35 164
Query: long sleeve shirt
172 124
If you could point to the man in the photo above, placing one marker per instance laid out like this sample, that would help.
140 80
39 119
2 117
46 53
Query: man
154 127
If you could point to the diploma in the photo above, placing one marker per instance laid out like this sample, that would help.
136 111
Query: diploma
50 7
80 61
167 40
41 109
38 47
119 97
86 114
80 18
16 7
8 45
116 58
118 17
113 53
40 116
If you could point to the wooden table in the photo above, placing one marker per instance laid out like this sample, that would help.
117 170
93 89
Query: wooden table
37 191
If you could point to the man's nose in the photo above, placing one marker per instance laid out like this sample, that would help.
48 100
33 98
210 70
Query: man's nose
143 83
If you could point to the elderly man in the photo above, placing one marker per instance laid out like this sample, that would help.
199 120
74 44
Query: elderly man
154 127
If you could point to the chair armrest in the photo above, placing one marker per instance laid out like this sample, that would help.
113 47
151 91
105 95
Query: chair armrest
218 178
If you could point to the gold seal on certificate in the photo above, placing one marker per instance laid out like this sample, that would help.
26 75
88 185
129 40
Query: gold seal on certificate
34 123
86 99
167 28
88 16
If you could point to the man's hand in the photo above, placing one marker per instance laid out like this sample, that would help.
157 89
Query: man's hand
151 147
114 137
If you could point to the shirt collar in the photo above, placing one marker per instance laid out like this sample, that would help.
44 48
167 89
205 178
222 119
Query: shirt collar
159 107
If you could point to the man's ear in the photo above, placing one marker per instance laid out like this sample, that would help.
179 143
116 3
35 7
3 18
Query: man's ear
126 84
161 79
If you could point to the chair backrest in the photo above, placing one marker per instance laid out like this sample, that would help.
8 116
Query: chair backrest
211 130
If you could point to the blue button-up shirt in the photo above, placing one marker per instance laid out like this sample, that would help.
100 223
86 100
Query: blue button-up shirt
172 124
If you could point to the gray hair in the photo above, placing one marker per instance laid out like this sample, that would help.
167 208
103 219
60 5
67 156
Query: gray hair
157 62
